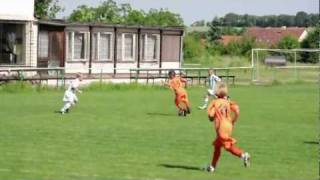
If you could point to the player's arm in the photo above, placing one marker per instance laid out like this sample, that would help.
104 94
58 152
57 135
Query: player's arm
217 78
236 111
211 112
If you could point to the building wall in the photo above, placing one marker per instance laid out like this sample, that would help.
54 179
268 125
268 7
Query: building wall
31 40
21 10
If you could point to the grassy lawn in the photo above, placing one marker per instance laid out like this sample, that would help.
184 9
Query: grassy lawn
264 74
135 134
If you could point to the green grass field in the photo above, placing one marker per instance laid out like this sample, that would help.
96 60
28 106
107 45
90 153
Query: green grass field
135 134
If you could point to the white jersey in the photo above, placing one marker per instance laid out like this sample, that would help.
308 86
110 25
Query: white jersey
213 79
69 96
74 84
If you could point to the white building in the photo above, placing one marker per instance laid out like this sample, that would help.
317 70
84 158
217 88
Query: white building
18 33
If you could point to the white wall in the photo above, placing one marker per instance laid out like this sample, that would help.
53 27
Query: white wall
17 10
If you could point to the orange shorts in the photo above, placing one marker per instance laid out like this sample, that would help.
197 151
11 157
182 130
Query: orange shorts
224 142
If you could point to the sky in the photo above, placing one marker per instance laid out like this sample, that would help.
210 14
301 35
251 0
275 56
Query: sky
193 10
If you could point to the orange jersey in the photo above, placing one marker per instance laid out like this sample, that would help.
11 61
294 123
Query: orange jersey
221 110
177 85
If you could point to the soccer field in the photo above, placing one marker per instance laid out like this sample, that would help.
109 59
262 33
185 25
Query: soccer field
136 134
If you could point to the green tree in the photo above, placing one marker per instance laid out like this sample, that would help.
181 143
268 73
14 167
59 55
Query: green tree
311 42
288 42
163 17
301 19
47 9
110 12
214 33
192 48
136 17
83 14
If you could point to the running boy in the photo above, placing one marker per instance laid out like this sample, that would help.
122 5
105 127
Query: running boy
212 80
69 99
176 83
224 113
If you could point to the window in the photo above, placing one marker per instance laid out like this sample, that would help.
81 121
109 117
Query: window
43 45
101 50
150 47
12 41
128 46
77 45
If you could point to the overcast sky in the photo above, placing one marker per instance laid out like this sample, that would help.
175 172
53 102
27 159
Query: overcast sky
193 10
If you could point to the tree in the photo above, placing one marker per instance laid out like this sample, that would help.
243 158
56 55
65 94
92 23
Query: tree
110 12
83 14
163 17
214 33
301 19
313 42
288 42
47 9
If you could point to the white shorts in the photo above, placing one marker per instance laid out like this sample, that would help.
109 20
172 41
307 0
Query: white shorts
211 92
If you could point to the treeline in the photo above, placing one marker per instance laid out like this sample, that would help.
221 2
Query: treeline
111 12
206 44
301 19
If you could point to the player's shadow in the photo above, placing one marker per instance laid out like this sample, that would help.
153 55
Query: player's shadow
159 114
171 166
311 142
57 112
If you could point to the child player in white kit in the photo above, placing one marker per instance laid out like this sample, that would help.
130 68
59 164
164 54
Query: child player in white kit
69 99
212 80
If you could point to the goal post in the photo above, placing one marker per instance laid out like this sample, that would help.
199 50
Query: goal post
296 60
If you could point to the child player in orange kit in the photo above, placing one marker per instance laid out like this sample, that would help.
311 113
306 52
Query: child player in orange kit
177 84
224 113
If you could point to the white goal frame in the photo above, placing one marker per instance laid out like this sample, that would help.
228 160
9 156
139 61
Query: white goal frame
255 59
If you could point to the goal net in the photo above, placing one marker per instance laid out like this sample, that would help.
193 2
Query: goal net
285 65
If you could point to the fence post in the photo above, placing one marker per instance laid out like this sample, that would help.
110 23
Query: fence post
63 78
101 70
199 74
57 72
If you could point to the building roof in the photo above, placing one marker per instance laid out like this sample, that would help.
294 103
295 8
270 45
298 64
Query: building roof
226 39
59 22
272 36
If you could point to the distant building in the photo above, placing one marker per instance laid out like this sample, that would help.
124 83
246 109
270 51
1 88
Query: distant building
226 39
271 36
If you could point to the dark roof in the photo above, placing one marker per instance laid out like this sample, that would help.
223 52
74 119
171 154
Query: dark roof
59 22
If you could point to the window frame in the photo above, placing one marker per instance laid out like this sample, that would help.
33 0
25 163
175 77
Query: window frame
123 48
145 37
97 56
86 46
39 45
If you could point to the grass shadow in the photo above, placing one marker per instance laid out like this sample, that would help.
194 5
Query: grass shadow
311 142
160 114
171 166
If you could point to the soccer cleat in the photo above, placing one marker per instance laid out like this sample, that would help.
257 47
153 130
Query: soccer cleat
62 112
181 113
202 107
209 168
188 111
246 159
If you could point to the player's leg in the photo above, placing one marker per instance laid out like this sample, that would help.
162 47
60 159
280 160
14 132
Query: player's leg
65 107
206 99
185 101
233 149
177 103
215 156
